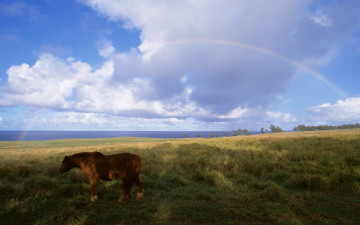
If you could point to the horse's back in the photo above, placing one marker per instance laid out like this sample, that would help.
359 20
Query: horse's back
109 167
130 161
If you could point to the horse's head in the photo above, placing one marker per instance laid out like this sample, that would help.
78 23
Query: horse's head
66 165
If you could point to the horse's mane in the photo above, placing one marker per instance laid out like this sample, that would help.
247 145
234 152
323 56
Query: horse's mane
86 154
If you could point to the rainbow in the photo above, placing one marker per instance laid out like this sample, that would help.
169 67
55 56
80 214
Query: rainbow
264 51
30 124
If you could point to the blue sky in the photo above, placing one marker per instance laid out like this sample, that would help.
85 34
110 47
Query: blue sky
178 65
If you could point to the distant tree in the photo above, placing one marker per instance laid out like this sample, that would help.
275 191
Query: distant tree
235 133
225 134
246 132
240 132
300 128
211 135
198 135
186 136
275 129
262 131
325 127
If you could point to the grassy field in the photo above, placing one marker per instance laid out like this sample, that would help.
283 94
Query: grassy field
287 178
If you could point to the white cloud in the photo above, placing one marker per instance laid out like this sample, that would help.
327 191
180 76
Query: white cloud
89 121
275 115
51 82
222 77
184 79
321 19
82 118
281 117
98 121
74 86
105 48
238 113
347 111
288 118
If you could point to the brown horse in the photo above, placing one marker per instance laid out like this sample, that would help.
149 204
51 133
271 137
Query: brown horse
97 166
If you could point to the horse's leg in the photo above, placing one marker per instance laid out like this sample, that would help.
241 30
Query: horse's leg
139 195
94 195
128 183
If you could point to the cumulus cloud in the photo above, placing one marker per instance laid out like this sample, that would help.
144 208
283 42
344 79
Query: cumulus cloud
75 86
223 77
346 111
48 83
105 48
281 117
239 113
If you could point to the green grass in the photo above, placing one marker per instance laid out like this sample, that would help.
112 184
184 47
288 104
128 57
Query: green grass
288 178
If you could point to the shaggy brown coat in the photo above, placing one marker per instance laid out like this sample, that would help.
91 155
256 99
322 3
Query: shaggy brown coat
97 166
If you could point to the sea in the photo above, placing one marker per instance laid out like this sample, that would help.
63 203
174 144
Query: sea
53 135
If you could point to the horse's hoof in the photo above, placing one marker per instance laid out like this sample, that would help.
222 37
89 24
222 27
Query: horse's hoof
94 198
139 197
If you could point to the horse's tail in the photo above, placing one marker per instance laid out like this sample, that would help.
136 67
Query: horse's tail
139 195
137 165
137 180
